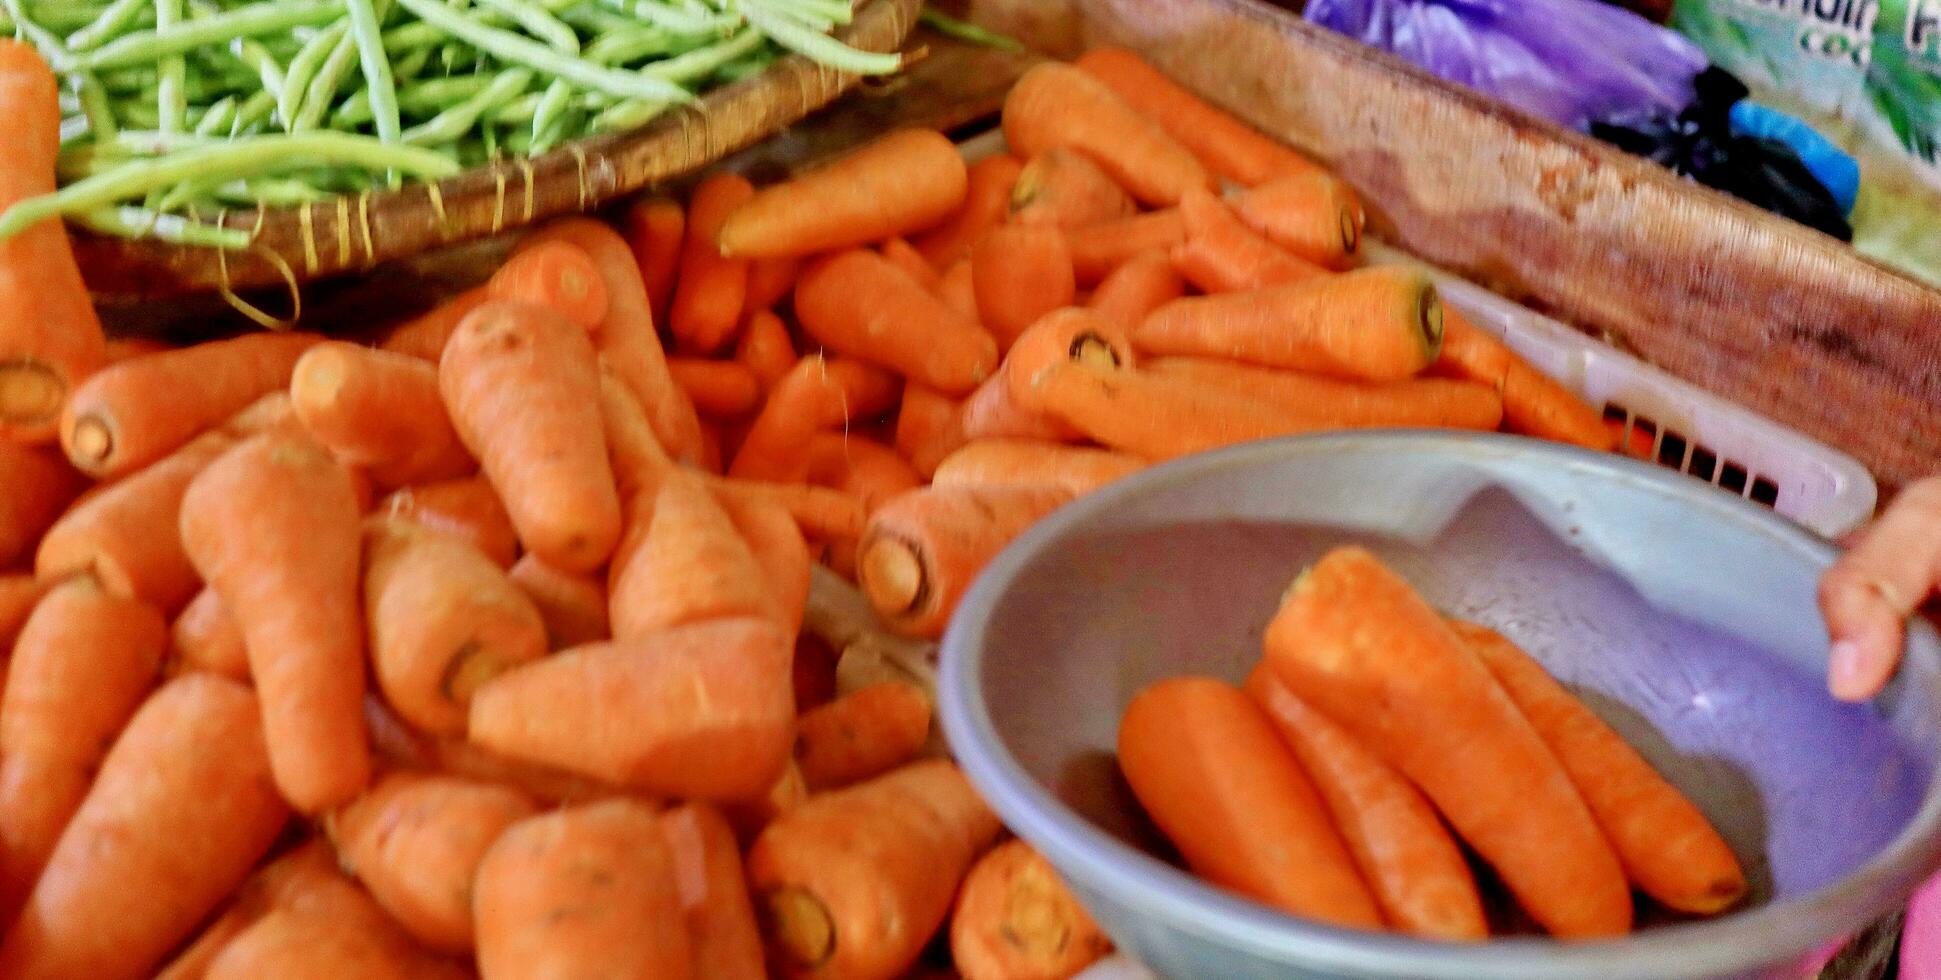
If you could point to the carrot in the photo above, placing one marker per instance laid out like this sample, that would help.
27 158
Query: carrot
204 637
765 348
378 410
1668 848
424 335
1097 250
655 228
1355 642
1312 215
466 508
854 883
1222 255
1423 402
50 338
861 735
722 940
1015 920
1207 767
416 840
958 287
1057 105
899 253
1380 324
555 274
921 550
400 746
1143 284
129 348
1020 273
778 546
991 413
182 808
334 929
712 291
718 389
770 281
987 198
589 891
700 711
19 594
859 304
1076 470
1155 416
863 468
443 621
36 486
1224 144
906 181
291 583
815 395
820 512
1414 869
293 877
82 664
928 427
572 606
523 388
1533 403
1064 188
748 817
691 566
1072 335
1636 443
136 412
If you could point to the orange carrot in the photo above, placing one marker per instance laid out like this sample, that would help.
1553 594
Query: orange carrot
50 338
19 594
655 229
443 621
554 274
691 566
927 427
1355 642
183 807
1222 255
770 281
921 550
863 468
291 583
1076 470
958 287
204 637
1020 273
747 818
129 348
854 883
332 929
416 840
986 201
424 336
1224 144
1380 324
718 389
523 388
861 305
400 746
712 290
589 891
906 181
378 410
1423 402
1096 250
1068 336
293 877
1665 843
83 663
991 413
627 341
817 394
861 735
1312 215
1207 767
1133 290
1065 188
466 508
765 348
36 485
1413 867
1015 920
722 939
820 512
899 253
1058 105
573 606
779 547
136 412
1156 416
1533 403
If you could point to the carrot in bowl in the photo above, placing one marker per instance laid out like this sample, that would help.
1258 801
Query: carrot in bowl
711 292
1355 642
1220 254
1380 324
1020 273
861 735
379 411
906 181
1312 215
1417 402
1098 249
1058 105
1078 470
987 198
655 228
554 274
1065 188
859 304
36 486
1015 920
920 551
466 508
1143 284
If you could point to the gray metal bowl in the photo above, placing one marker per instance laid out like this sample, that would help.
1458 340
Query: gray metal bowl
1685 616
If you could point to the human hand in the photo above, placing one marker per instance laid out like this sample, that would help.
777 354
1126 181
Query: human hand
1867 596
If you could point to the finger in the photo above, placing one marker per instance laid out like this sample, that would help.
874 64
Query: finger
1869 593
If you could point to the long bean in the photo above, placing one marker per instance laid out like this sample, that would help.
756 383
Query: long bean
133 222
679 21
253 55
380 88
95 106
623 47
113 19
820 48
459 119
517 50
696 65
217 120
304 67
323 87
538 22
267 17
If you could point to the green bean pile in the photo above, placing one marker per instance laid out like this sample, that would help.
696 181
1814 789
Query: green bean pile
173 109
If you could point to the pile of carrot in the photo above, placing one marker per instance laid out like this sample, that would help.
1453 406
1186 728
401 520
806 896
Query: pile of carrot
1373 736
478 648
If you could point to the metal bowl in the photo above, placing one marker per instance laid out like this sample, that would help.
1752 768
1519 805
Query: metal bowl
1683 615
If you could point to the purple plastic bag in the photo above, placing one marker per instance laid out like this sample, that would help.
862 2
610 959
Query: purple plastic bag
1571 61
